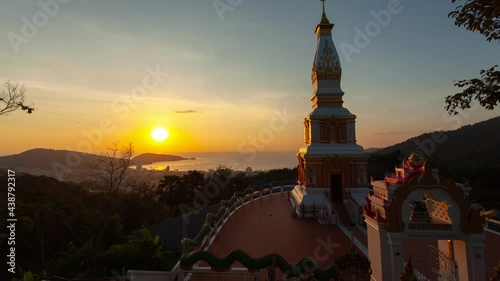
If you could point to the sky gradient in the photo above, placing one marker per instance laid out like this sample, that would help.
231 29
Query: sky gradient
227 80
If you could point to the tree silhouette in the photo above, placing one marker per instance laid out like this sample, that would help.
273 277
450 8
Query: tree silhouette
12 98
482 16
111 168
169 192
479 15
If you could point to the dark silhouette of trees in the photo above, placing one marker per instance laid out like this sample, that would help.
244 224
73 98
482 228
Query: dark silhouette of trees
64 235
13 98
486 90
140 208
381 164
111 169
175 190
169 193
114 165
479 15
482 16
93 261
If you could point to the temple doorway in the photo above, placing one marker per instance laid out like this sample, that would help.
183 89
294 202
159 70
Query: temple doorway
336 188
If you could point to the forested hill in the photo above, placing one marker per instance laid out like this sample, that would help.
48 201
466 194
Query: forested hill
43 158
474 146
471 153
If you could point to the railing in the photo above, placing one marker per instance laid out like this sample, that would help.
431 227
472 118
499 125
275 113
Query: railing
196 250
314 212
493 225
331 211
358 209
214 223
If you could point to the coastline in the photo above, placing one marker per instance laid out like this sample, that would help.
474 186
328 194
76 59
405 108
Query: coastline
205 161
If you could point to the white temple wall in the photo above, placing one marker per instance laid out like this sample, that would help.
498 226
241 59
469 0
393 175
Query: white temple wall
475 259
461 258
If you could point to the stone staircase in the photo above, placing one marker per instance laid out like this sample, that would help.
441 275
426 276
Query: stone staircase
346 221
343 215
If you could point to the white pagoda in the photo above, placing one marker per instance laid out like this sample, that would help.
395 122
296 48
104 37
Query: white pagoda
331 163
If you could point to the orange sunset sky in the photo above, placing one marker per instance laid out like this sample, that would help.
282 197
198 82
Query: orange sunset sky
99 72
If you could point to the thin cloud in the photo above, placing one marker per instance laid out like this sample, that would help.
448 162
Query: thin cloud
186 111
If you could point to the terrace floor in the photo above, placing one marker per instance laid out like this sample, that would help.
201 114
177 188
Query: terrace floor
266 226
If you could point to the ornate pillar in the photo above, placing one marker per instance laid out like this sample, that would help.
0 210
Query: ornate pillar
350 131
315 132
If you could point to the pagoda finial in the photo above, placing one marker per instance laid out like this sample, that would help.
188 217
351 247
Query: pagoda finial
324 19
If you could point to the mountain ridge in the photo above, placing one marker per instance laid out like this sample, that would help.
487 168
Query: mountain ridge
475 146
44 158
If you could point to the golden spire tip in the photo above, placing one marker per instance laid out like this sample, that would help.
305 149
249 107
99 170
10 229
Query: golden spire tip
324 19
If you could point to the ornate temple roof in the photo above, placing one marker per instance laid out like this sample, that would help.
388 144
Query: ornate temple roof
411 166
326 71
331 112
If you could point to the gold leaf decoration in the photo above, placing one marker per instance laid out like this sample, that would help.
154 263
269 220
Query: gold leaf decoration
328 66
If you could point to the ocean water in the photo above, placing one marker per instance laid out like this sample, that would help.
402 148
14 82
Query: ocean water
237 161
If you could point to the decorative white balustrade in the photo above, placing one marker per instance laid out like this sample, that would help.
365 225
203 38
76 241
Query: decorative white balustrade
231 210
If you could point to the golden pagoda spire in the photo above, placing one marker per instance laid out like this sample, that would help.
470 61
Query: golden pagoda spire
324 19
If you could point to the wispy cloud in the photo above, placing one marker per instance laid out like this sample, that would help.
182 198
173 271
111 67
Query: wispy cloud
186 111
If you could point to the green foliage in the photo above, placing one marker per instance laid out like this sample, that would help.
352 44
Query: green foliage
28 276
468 154
479 15
380 164
64 235
274 175
353 266
145 254
482 16
111 233
91 261
485 90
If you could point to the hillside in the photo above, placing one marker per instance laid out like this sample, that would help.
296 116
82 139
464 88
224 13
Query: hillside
470 153
42 158
473 147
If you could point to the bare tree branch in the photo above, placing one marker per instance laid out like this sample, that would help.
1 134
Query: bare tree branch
112 168
12 98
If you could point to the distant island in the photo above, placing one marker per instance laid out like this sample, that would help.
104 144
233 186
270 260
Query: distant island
150 158
42 158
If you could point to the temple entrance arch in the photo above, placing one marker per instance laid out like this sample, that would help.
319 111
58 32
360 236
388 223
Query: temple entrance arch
417 203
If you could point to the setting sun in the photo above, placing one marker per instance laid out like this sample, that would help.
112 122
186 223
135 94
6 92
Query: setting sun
159 134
